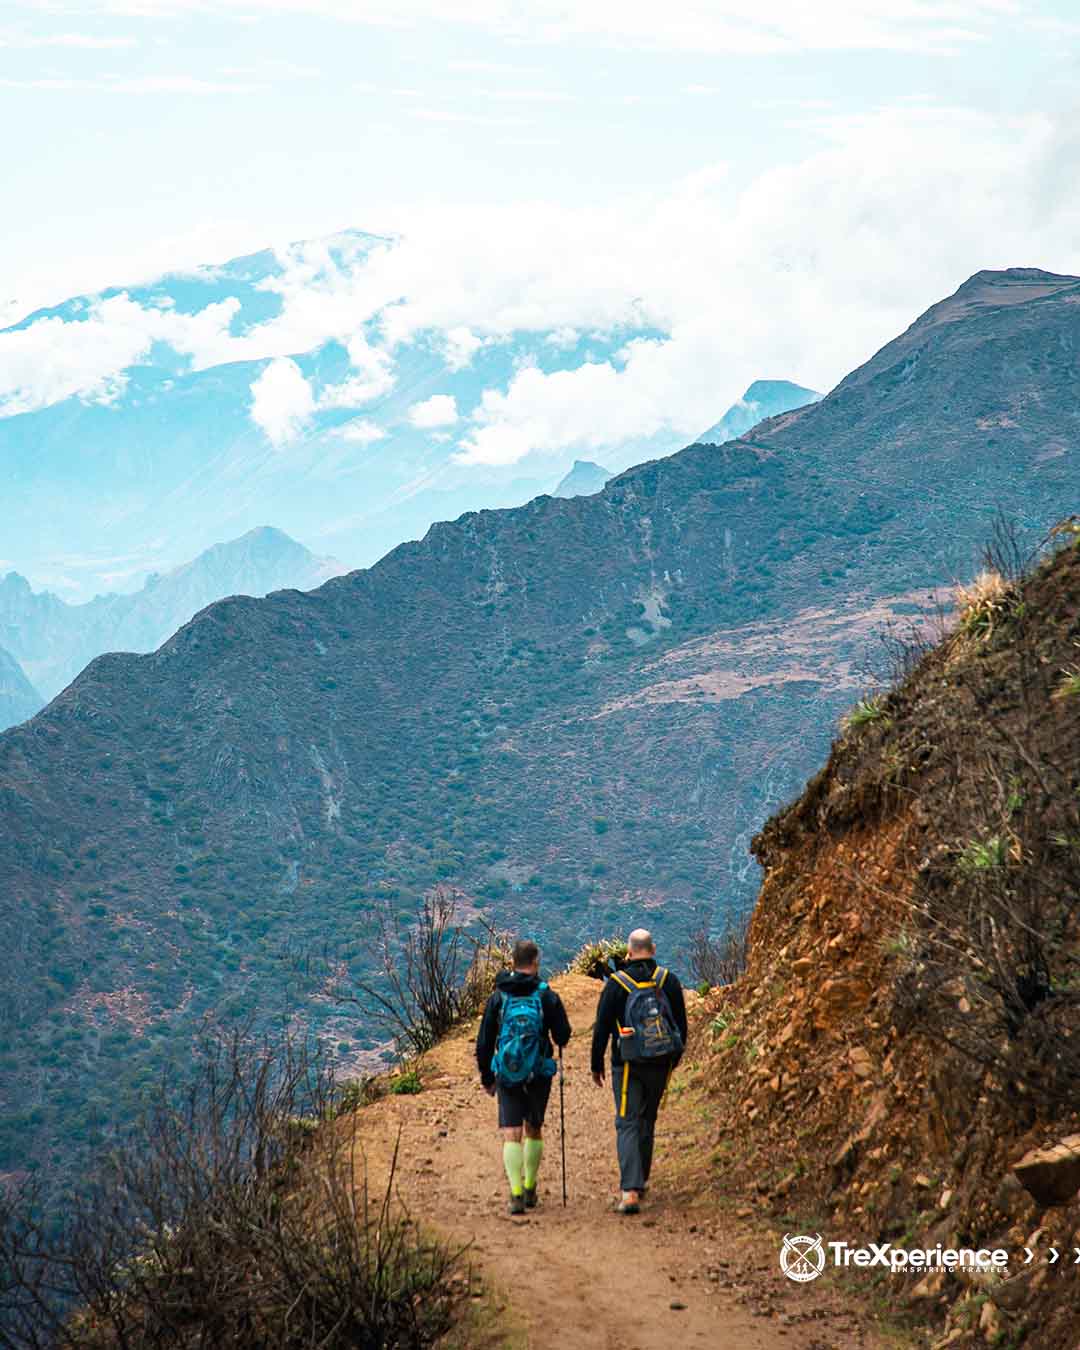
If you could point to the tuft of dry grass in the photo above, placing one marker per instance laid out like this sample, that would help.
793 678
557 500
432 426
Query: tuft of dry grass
984 603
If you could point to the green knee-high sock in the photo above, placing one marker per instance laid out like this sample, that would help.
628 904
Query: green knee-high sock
534 1151
513 1161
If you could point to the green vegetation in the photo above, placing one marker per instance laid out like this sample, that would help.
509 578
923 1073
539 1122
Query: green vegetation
405 1084
596 959
982 854
865 711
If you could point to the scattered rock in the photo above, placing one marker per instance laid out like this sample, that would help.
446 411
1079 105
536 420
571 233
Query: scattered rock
677 1306
1052 1174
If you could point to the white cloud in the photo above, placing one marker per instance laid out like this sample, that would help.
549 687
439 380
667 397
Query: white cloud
52 360
440 410
362 431
374 376
460 345
282 403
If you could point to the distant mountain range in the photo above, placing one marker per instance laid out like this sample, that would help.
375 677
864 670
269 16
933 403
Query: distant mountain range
577 711
764 398
18 697
583 480
53 640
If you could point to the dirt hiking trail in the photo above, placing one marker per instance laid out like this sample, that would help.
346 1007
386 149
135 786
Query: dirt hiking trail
687 1272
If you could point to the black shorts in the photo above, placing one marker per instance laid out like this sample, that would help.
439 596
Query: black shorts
525 1104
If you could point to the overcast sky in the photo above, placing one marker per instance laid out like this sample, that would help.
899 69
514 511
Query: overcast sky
776 185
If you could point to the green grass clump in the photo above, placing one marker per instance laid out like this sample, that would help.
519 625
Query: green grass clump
980 855
406 1084
865 711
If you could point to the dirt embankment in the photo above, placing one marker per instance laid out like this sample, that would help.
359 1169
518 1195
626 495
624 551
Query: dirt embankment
907 1031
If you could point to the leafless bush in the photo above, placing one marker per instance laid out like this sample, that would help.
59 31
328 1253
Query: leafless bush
436 976
229 1220
721 959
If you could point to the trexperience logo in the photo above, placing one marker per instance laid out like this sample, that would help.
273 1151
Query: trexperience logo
804 1258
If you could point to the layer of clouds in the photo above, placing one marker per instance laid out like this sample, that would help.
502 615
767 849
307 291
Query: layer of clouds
744 27
800 275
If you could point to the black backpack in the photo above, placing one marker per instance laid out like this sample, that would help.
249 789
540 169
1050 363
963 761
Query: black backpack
648 1031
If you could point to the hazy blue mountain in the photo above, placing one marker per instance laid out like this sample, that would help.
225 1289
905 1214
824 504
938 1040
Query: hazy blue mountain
764 398
18 697
583 480
167 452
54 640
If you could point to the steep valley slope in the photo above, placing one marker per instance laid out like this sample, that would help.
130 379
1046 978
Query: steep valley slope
575 711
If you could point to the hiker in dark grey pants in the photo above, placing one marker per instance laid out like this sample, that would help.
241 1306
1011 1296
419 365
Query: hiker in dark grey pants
638 1085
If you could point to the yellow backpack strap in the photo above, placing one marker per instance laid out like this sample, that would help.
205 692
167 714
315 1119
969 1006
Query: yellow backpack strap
663 976
624 981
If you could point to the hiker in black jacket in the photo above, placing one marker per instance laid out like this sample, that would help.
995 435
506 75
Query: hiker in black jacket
639 1085
516 1060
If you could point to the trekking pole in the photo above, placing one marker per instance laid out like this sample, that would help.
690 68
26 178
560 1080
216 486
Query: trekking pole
562 1127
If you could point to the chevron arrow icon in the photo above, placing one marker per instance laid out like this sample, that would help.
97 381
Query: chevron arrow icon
1054 1254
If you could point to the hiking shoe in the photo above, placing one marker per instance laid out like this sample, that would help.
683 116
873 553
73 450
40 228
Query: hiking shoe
517 1204
530 1197
628 1205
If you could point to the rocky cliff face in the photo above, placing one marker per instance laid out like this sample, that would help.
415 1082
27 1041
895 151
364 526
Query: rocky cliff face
902 1053
18 697
577 710
54 640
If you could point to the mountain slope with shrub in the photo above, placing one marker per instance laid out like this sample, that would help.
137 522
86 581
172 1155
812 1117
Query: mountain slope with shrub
908 1031
576 711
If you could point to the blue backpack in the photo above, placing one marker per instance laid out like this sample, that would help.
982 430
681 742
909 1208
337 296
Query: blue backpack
519 1054
649 1032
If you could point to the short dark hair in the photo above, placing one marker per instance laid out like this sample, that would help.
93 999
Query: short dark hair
525 952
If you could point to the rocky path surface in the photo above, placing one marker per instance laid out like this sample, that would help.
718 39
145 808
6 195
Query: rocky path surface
687 1272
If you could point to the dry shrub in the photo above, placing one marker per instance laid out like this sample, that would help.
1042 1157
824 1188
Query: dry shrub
223 1224
721 959
436 976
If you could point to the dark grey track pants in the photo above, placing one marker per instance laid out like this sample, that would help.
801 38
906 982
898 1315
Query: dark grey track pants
636 1109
